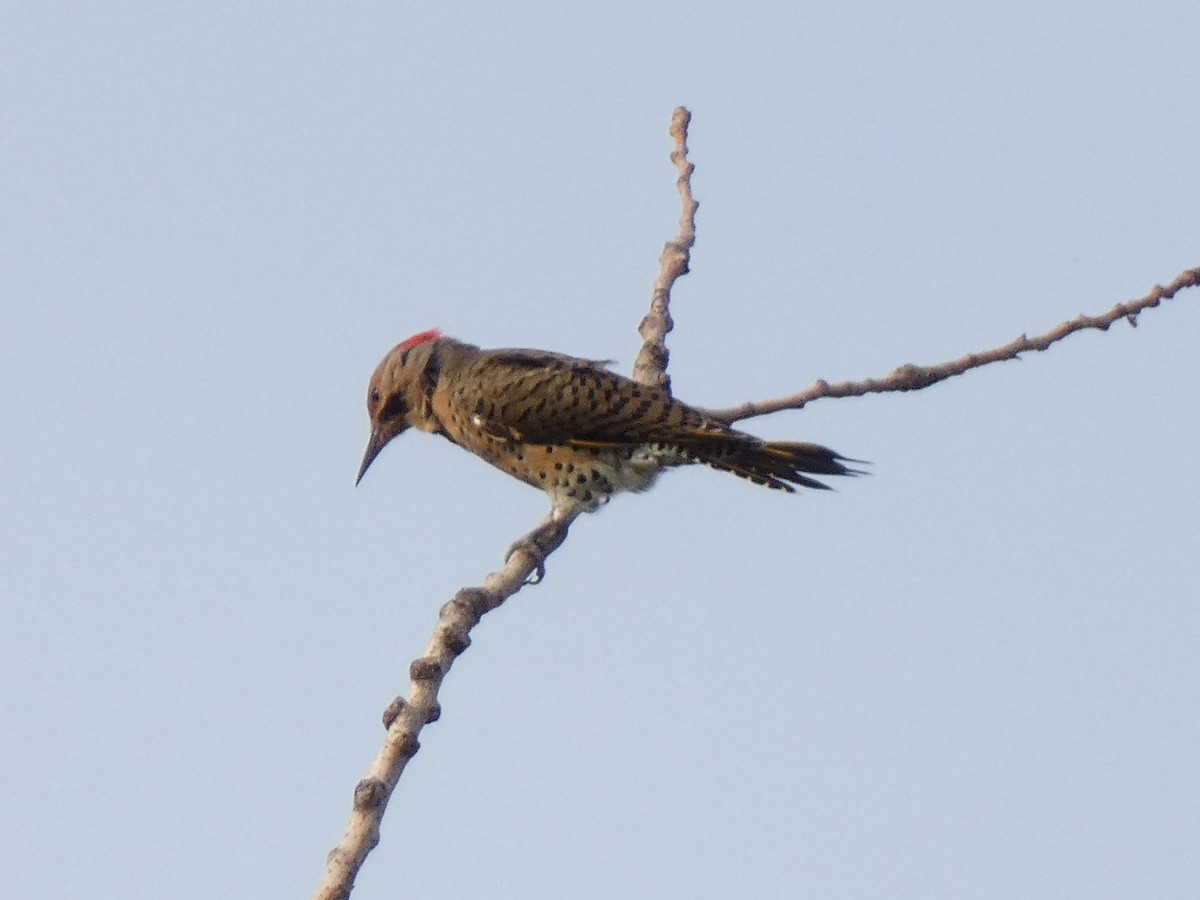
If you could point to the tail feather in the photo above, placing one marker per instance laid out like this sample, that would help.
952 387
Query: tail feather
782 465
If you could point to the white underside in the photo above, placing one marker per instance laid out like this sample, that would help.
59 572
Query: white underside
634 474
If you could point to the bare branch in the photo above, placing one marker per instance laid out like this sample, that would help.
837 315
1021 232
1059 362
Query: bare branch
912 377
406 716
651 365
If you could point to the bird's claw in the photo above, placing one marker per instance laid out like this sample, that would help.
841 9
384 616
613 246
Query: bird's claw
529 544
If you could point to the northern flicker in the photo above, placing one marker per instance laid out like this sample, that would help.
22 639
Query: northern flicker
568 426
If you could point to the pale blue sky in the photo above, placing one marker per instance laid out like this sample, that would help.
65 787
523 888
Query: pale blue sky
974 674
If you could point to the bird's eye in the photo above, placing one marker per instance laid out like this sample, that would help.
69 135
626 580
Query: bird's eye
394 408
373 398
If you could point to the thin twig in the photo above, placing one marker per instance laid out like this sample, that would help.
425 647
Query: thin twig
912 377
651 365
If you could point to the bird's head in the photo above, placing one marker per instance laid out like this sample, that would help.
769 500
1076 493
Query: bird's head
398 397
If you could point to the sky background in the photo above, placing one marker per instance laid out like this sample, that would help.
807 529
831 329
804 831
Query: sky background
973 674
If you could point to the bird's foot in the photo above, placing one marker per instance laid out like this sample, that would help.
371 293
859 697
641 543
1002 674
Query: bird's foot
536 549
538 544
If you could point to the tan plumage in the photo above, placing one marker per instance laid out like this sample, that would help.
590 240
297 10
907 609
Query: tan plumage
568 426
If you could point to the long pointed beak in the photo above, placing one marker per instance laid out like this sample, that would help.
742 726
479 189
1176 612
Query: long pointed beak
374 445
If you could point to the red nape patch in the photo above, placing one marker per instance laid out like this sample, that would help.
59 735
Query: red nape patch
423 338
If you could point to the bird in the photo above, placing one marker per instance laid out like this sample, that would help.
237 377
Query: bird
569 426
